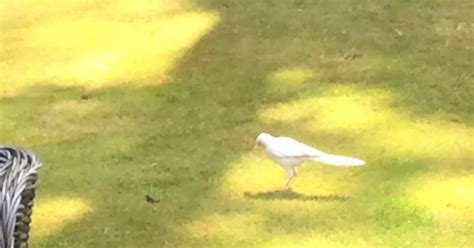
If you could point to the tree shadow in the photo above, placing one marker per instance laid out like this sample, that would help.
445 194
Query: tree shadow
293 195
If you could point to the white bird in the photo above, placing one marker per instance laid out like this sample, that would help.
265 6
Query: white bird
290 153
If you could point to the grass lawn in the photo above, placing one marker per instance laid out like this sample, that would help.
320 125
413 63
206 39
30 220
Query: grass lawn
132 97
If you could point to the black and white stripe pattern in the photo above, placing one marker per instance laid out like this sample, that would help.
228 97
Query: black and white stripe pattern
18 174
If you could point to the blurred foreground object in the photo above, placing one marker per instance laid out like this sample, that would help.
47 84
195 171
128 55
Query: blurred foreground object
18 176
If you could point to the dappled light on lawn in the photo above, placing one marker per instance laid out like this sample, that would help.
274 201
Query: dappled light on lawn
287 77
251 173
123 99
51 215
96 48
367 115
449 201
437 192
256 176
316 239
338 108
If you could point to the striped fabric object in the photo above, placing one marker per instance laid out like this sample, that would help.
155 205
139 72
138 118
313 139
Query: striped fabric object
18 175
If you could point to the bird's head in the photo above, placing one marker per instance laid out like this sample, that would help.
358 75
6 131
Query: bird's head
262 139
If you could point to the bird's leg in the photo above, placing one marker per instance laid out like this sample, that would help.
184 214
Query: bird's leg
290 171
286 186
295 170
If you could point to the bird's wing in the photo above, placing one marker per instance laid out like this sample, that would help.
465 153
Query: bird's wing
291 148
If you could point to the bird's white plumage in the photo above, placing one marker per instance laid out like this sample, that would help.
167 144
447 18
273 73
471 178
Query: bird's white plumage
290 153
286 147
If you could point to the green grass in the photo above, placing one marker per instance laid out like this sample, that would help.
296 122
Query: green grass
180 89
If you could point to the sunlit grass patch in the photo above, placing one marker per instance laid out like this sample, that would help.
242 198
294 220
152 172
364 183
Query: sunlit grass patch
146 8
449 200
368 116
336 108
51 215
92 51
437 192
257 176
316 239
289 77
431 139
252 173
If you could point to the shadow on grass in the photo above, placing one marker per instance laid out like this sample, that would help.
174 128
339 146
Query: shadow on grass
292 195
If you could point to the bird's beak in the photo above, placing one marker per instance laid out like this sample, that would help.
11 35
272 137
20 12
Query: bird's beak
255 146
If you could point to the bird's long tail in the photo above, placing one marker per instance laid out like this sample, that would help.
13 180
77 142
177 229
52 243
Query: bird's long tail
339 160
